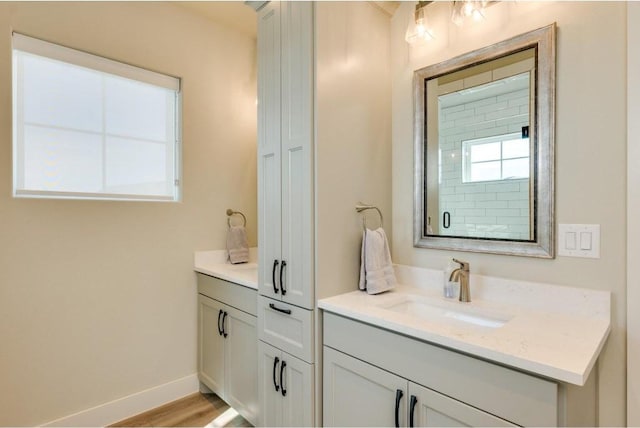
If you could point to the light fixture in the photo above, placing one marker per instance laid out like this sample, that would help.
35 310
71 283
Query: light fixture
418 29
468 9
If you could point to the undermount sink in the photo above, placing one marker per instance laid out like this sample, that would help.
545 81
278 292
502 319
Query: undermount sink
432 310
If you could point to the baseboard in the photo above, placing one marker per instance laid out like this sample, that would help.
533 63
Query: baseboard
131 405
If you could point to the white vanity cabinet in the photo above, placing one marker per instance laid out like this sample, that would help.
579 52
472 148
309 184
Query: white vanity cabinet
285 213
228 343
425 385
359 394
285 152
319 94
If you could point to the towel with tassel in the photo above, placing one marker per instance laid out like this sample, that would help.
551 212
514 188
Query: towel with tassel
376 268
237 245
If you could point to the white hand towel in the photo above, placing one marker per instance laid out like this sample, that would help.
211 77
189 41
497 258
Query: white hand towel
376 268
363 274
237 245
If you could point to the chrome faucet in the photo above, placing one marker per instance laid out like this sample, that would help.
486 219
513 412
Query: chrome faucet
461 275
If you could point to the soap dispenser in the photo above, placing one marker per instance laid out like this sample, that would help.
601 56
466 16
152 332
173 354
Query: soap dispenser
450 287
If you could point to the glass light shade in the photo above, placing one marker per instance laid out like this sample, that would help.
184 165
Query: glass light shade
418 29
467 8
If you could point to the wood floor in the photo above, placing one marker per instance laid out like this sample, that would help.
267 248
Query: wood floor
196 410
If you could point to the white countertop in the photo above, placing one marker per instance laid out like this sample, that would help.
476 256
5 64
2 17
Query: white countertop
214 263
557 339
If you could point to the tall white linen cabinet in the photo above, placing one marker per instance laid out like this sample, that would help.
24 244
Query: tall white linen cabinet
324 143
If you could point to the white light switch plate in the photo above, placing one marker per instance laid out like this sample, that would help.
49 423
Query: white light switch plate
579 240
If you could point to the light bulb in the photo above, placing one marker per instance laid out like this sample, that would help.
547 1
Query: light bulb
468 8
420 28
477 14
457 18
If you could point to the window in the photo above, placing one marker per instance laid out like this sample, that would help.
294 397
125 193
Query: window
89 127
503 157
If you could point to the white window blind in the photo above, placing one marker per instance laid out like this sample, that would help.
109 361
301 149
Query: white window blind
89 127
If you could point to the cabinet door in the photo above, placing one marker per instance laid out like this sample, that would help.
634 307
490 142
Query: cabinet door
210 344
297 152
297 392
428 408
241 363
269 154
358 394
269 359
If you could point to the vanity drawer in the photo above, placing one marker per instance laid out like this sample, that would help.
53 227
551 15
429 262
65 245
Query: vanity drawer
287 327
236 295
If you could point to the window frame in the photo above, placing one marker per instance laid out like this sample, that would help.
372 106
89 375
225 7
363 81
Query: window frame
467 164
32 46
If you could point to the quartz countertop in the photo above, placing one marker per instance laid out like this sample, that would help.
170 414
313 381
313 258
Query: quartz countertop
214 263
560 339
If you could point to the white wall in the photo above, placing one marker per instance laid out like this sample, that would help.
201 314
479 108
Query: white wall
353 136
97 298
590 151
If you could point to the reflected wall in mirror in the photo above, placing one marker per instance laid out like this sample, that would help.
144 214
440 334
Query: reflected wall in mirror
484 168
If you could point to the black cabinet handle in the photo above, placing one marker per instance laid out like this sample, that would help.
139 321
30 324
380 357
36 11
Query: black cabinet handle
273 276
275 308
224 317
282 266
275 365
412 405
219 328
398 398
282 390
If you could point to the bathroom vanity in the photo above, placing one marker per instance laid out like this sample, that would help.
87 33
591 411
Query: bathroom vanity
227 331
509 357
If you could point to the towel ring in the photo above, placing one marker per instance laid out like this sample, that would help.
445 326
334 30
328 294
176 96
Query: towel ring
231 212
363 207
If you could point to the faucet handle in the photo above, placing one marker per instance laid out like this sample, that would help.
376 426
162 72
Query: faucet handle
463 265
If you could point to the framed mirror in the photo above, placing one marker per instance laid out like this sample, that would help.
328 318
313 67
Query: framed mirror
484 149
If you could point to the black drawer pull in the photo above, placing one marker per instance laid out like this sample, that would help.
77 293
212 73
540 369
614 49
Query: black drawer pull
224 317
412 406
275 365
275 308
282 266
273 276
282 390
219 328
398 398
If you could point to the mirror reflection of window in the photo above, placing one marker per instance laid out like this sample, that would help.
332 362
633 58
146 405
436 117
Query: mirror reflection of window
504 157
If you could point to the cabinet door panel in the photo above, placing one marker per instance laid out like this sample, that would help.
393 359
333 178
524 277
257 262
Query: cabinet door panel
241 349
297 149
297 403
211 345
358 394
270 399
269 146
436 410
